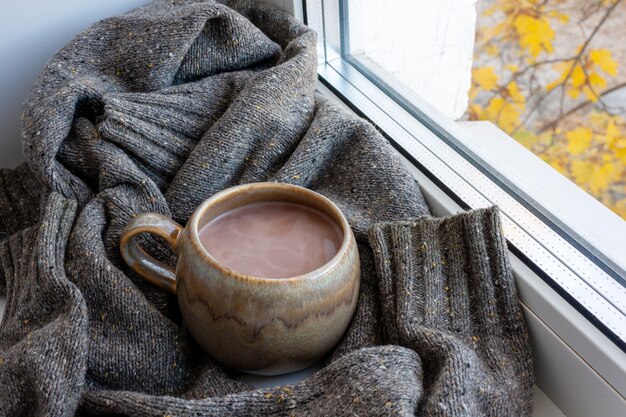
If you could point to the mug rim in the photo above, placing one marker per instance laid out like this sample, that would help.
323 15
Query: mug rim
216 198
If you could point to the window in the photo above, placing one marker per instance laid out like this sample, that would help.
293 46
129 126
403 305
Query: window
547 73
551 75
408 67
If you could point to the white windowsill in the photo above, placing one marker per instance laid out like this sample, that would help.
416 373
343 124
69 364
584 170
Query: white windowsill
549 189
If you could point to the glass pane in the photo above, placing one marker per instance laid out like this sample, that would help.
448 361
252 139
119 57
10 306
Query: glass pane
552 75
426 45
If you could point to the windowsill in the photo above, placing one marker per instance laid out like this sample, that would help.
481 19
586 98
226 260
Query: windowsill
576 209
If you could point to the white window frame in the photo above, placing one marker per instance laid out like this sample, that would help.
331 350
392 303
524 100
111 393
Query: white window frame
567 274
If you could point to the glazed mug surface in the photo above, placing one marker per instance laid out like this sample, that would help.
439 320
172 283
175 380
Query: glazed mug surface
258 325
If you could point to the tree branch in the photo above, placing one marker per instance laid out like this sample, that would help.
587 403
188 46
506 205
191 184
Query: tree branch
593 90
518 74
574 109
588 40
576 59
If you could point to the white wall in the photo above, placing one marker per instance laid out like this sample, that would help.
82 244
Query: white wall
31 31
428 45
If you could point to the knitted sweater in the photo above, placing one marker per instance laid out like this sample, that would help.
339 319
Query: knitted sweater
158 109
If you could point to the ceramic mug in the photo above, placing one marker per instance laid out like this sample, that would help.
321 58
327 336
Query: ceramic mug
266 326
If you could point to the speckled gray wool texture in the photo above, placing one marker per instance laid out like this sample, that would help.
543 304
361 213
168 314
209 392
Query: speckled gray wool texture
160 108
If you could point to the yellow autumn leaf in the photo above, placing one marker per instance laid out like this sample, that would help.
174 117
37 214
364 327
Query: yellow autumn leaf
603 59
485 78
492 49
612 132
504 114
596 178
564 69
558 15
620 151
597 81
578 76
601 177
514 92
476 112
512 67
615 141
578 140
589 93
535 34
573 92
492 111
581 171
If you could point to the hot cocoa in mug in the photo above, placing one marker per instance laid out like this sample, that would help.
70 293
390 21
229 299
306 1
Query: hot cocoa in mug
267 274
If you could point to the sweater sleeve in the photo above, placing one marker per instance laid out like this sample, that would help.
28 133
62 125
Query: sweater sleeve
447 292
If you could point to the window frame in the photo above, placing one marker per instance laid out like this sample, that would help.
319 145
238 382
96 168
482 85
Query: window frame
337 49
545 292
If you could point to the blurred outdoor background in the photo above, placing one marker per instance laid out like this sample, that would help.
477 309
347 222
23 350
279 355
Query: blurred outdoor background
552 74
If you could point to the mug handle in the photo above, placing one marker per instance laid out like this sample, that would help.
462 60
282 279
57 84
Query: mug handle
143 264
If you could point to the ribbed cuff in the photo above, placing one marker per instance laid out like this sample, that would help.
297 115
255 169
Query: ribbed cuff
447 291
447 273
